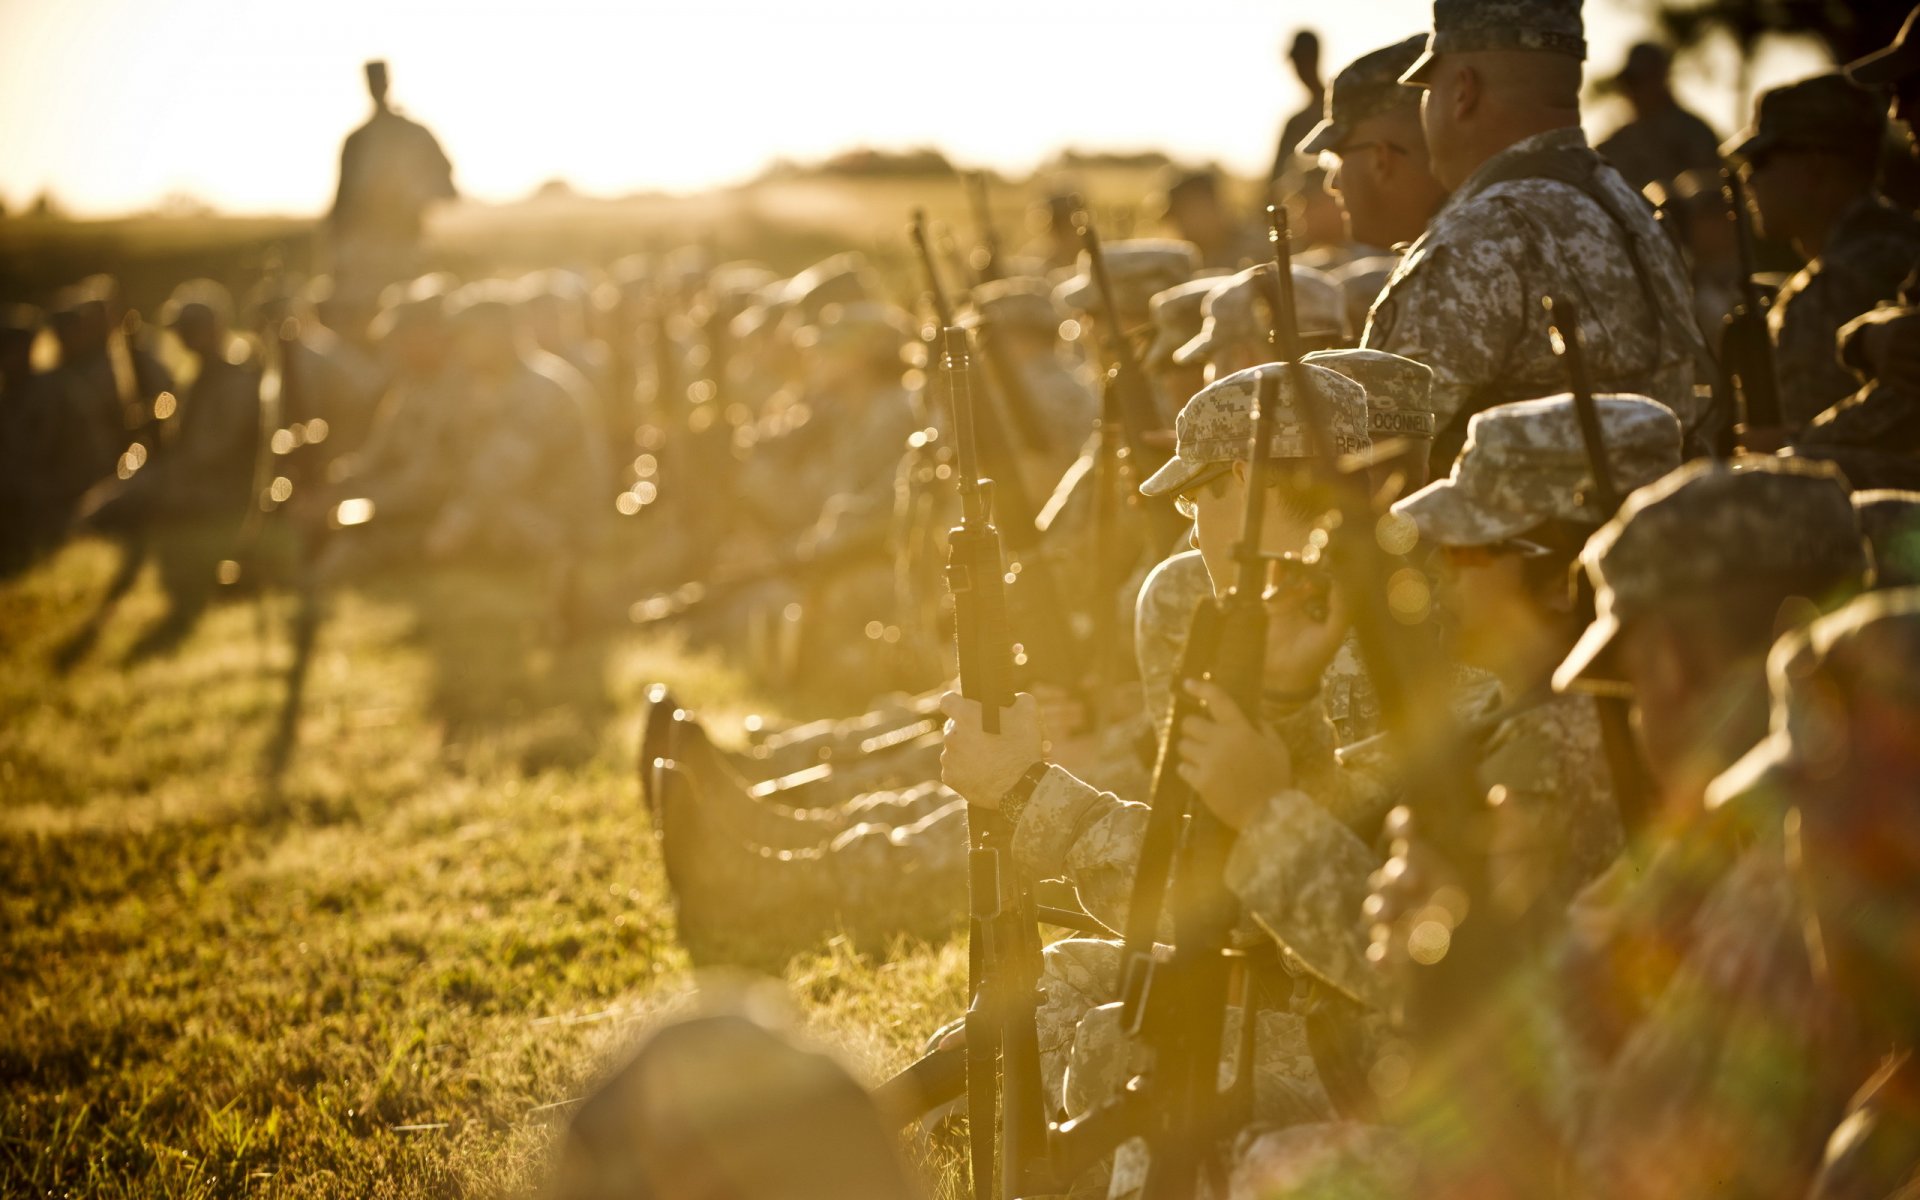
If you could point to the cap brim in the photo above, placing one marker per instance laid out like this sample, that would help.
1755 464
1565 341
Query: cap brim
1446 517
1417 74
1766 767
1076 293
1199 346
1174 475
1585 669
1744 145
1885 66
1325 136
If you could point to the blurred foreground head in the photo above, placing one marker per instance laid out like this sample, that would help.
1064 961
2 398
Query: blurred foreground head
729 1104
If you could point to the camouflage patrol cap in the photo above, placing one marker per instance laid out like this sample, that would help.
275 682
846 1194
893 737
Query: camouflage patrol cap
1867 651
1177 318
1893 63
1703 530
1464 26
1525 463
1890 519
1216 426
1138 268
1235 310
1366 87
1399 390
1016 302
1826 112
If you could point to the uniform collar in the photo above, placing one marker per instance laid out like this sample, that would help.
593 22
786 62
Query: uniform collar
1570 138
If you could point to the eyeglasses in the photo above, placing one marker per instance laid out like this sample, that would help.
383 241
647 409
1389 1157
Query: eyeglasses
1330 159
1480 556
1185 502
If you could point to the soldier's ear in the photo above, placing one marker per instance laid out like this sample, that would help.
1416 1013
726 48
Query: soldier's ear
1466 91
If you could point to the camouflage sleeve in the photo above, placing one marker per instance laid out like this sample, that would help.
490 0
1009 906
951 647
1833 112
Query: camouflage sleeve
1352 784
1303 876
1731 1084
1162 619
1806 325
1453 303
1072 830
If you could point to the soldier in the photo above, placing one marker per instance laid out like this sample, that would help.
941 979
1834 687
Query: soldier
1376 151
391 172
25 439
187 505
1811 157
519 489
1399 415
1139 268
1303 55
411 458
1663 141
1532 212
1022 319
1840 688
1177 319
1192 208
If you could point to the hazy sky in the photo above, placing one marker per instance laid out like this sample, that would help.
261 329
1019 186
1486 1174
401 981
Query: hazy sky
114 104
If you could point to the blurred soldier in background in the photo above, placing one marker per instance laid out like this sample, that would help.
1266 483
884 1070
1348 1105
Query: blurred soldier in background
27 435
1194 211
1811 155
391 171
1303 56
1021 316
188 503
1663 141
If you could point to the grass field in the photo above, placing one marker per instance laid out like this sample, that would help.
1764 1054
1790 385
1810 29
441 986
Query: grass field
388 975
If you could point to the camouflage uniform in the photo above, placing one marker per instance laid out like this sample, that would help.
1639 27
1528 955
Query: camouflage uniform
1544 217
1865 257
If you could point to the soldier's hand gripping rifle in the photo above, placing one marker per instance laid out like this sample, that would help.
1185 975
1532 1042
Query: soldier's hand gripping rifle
1746 348
1054 650
1633 786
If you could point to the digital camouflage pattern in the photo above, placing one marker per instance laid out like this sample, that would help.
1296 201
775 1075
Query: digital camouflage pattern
1236 311
1866 258
1465 298
1366 87
1399 390
1525 463
1216 426
1704 528
1138 269
1464 26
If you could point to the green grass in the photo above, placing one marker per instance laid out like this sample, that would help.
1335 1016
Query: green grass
386 976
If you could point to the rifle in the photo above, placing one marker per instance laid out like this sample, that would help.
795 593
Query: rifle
1746 348
1002 939
1057 652
690 596
1633 786
1125 376
985 258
